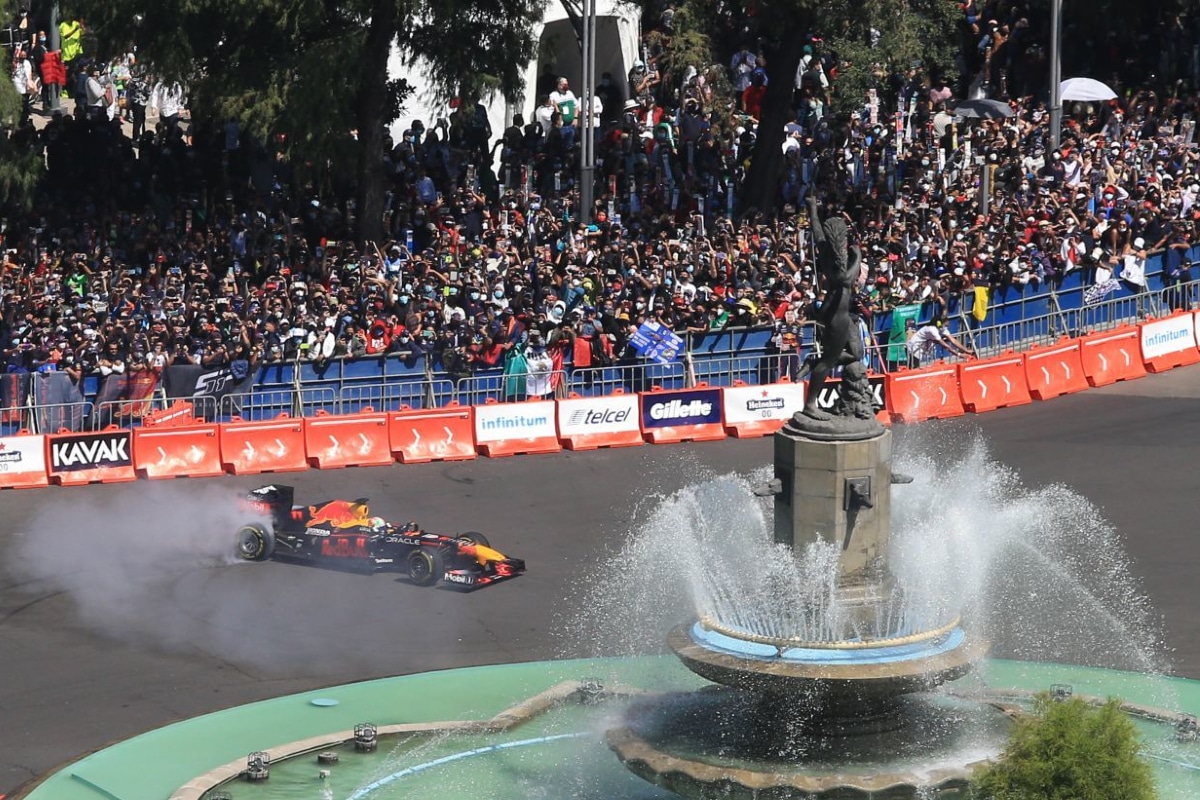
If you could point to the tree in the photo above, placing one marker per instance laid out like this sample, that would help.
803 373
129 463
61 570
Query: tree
20 166
1070 750
311 77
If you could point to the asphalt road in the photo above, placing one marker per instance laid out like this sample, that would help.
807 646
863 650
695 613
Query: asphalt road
119 610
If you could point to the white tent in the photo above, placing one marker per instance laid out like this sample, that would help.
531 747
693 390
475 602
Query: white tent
1084 90
617 35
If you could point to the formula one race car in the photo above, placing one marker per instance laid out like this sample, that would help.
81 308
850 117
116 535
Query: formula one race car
344 532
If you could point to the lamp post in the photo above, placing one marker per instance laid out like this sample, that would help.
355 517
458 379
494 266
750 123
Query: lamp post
1055 72
587 139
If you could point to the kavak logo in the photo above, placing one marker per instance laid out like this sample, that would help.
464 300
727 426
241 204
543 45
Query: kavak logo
831 394
90 452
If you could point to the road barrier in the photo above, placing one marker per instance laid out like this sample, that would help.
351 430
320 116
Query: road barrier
432 434
914 395
177 451
1054 370
1112 356
993 383
589 423
508 429
1169 342
348 440
23 461
682 415
276 445
93 457
750 411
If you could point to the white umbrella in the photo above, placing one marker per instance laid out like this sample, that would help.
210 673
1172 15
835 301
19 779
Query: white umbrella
1084 89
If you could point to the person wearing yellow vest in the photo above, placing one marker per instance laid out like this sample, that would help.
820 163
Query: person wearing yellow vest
70 35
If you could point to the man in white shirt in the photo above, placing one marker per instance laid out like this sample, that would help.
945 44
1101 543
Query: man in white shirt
922 342
567 104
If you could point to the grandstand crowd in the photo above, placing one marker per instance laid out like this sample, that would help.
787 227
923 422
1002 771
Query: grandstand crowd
188 242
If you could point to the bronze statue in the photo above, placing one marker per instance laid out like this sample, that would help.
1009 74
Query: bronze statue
839 265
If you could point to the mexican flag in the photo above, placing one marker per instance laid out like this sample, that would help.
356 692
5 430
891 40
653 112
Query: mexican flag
897 352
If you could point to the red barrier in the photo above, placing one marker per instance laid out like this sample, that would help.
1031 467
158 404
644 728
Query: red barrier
914 395
993 383
432 434
275 445
177 451
588 423
506 429
1169 342
95 457
761 410
1112 356
179 413
682 415
23 461
1054 370
348 440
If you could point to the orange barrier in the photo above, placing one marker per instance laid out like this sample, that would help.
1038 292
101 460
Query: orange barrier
1169 342
927 393
750 411
682 415
348 440
588 423
177 451
23 461
95 457
432 434
1112 356
506 429
1054 370
993 383
179 413
275 445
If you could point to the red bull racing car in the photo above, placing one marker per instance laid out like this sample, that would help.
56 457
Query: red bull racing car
344 532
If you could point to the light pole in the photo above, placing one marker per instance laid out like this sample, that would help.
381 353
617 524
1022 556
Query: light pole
587 138
1055 72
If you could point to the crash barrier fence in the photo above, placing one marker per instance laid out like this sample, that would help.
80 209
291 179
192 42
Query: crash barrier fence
178 441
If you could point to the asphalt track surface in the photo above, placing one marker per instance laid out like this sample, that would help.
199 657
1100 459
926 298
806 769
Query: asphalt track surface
107 631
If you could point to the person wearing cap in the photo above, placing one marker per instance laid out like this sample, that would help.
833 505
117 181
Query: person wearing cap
922 342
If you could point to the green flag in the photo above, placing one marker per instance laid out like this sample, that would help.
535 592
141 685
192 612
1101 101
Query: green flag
897 352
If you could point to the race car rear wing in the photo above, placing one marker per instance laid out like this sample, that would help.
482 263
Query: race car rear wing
275 500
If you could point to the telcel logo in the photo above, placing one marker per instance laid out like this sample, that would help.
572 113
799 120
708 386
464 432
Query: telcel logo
677 409
588 416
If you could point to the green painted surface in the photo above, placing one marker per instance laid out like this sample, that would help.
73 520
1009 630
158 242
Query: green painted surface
152 766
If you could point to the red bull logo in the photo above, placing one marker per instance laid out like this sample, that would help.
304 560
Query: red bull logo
340 514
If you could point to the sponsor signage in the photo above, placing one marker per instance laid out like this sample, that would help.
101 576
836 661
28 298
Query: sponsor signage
20 454
496 423
690 407
583 416
90 451
830 394
755 403
1171 335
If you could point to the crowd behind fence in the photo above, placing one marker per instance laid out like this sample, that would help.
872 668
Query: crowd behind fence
743 356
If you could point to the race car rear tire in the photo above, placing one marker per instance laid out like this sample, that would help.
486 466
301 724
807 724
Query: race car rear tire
426 567
475 537
255 542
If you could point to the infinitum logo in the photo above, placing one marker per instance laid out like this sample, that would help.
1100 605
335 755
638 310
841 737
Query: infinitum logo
514 422
1167 337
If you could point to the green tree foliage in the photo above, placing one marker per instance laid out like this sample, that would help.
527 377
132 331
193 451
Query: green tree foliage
310 76
1070 750
20 167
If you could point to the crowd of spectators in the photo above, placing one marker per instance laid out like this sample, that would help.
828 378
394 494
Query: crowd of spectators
192 244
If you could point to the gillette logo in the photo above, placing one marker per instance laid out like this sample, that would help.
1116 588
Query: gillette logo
677 409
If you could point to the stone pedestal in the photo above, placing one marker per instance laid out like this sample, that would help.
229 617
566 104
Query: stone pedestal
838 491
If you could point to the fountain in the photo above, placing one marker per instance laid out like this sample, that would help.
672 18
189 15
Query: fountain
829 664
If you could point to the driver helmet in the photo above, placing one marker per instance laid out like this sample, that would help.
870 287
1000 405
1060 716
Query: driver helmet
411 527
378 523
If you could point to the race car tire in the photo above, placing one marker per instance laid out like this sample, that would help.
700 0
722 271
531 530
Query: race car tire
475 537
426 567
255 542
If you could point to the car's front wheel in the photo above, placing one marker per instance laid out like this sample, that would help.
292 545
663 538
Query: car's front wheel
426 567
255 542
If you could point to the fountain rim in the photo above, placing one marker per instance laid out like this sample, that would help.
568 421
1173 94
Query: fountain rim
708 623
